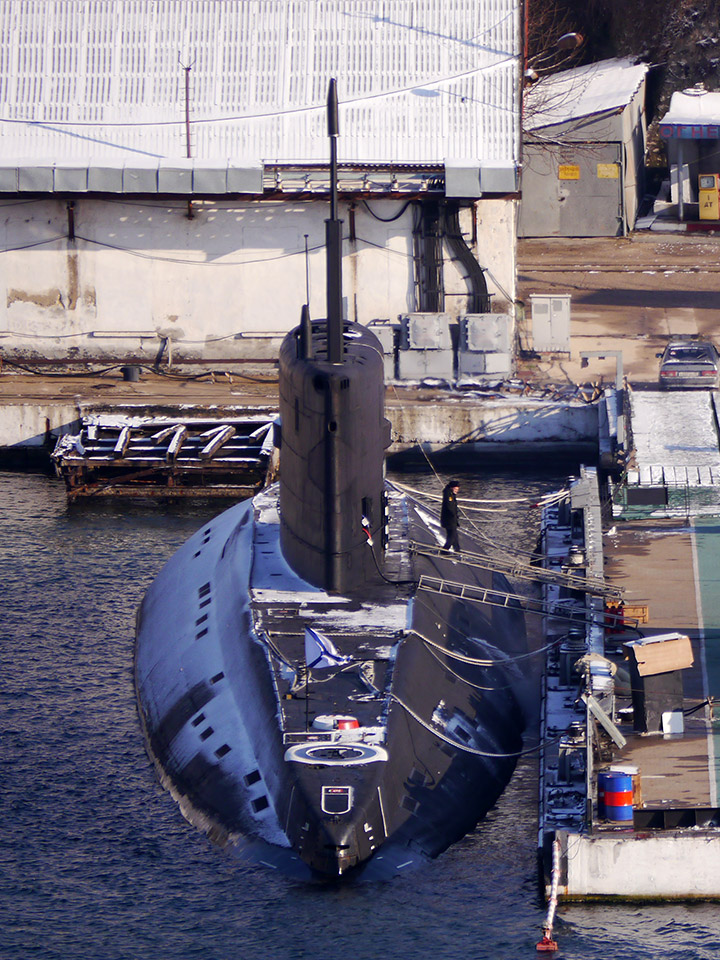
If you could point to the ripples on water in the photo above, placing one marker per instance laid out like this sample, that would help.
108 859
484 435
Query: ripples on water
96 860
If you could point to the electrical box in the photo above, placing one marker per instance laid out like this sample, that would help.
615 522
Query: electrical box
426 331
709 196
425 347
550 322
484 346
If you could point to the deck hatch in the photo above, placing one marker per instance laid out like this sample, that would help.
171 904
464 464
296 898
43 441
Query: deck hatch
336 800
336 754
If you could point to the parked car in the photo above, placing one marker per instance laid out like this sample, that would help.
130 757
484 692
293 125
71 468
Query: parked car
689 364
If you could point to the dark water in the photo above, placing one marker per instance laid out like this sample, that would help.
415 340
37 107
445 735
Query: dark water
96 862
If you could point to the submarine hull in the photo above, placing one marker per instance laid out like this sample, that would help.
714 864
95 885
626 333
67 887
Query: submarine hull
367 766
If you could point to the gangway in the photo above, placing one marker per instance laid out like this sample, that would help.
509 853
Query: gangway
519 570
568 610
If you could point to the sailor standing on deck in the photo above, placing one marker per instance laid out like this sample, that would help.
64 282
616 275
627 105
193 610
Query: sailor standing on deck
449 515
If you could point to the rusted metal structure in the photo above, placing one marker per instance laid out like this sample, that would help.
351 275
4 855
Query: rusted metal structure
159 456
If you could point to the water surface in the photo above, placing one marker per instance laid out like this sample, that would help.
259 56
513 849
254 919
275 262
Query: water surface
96 861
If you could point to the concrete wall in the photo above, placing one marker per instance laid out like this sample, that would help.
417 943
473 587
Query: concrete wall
666 867
219 285
441 423
36 424
454 422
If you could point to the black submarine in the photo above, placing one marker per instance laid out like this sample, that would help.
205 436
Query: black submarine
319 684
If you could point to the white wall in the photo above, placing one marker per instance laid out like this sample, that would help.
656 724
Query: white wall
682 865
138 271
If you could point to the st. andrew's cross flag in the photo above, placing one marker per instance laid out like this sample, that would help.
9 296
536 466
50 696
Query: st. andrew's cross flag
320 651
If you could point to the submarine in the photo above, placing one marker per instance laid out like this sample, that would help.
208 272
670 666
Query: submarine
323 688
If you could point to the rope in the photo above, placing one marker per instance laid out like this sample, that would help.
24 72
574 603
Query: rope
492 663
458 656
475 686
463 746
435 496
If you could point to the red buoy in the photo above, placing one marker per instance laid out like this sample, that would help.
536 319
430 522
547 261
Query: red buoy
547 944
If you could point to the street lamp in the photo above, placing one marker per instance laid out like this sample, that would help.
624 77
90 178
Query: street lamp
568 43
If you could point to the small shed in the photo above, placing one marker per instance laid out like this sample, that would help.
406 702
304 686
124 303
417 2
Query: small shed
584 151
691 128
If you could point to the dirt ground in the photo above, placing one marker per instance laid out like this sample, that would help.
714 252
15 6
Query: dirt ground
629 294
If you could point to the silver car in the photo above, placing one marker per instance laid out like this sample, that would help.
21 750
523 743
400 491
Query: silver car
689 364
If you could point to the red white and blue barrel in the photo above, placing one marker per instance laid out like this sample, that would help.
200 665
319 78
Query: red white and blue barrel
615 796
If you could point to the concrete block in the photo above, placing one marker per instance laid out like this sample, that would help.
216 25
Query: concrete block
473 363
8 178
470 364
498 363
425 364
105 177
462 179
175 176
209 179
498 177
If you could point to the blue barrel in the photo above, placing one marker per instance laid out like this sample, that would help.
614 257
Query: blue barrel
615 796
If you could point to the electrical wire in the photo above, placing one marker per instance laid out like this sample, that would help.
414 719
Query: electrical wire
271 114
387 219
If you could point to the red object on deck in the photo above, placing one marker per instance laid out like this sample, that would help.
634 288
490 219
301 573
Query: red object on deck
348 723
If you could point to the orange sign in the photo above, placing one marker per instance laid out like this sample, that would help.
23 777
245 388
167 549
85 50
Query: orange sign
568 171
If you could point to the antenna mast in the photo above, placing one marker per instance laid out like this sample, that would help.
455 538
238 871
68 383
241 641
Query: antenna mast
333 241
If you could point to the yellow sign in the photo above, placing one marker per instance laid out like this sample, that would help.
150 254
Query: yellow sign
568 171
608 171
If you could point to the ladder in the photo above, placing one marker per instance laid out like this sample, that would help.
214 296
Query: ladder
558 610
519 570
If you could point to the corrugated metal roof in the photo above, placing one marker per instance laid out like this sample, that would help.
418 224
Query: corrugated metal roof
582 92
420 81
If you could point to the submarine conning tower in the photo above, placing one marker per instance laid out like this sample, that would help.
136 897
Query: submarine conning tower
334 435
334 431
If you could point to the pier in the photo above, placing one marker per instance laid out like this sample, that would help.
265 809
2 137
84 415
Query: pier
36 410
629 772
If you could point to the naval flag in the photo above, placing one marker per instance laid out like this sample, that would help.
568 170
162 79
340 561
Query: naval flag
320 651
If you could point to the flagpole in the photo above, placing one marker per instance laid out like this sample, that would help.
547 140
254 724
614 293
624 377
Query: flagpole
307 695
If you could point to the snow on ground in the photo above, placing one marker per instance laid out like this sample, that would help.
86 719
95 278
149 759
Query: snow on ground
674 429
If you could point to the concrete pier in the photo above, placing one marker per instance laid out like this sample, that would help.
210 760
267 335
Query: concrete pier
35 410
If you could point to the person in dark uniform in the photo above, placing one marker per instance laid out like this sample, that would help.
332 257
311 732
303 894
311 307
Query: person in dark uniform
449 515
